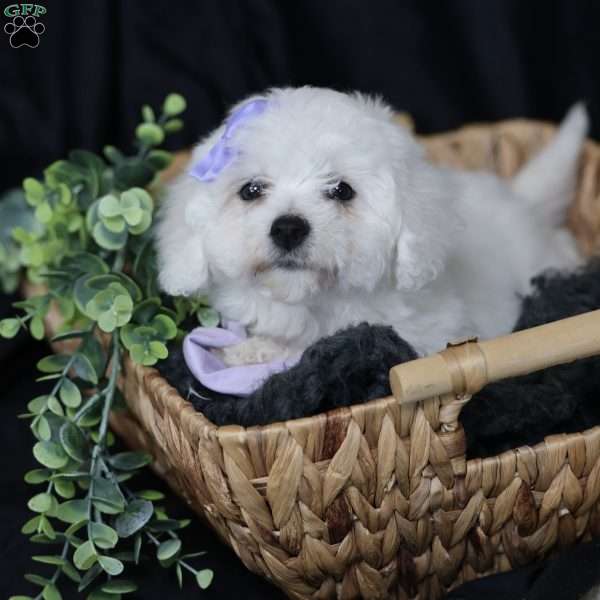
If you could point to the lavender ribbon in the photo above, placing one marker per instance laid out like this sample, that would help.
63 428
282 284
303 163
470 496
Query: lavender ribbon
222 153
213 374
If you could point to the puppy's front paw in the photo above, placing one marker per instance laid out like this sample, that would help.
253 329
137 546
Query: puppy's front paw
253 350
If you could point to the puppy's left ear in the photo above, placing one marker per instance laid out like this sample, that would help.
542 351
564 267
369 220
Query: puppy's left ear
428 222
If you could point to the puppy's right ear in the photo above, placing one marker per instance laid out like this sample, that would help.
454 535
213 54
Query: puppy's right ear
429 221
182 265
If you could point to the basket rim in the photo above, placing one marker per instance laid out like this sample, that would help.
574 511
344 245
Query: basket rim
196 423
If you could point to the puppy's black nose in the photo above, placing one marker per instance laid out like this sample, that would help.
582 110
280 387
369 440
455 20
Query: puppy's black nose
289 231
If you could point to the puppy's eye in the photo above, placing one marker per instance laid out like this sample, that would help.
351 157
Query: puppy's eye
342 192
251 191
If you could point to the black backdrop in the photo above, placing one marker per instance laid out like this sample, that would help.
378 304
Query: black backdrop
446 62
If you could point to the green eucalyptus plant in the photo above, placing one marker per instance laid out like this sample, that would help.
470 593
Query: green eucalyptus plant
83 233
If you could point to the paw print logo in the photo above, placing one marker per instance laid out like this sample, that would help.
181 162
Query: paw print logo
24 31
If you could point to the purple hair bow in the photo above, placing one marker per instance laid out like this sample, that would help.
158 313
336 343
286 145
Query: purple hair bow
221 154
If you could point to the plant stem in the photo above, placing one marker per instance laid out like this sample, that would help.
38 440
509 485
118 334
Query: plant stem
24 319
55 389
127 492
64 373
144 148
58 571
109 394
115 369
119 261
180 561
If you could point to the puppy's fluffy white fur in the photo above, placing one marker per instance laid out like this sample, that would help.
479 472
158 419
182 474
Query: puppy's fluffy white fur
438 254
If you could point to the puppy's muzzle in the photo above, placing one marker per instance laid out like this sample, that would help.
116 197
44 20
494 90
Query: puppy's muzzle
289 231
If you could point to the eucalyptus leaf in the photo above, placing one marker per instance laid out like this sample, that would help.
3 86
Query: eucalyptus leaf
114 224
69 394
64 488
50 592
43 538
148 114
112 154
132 173
107 497
88 285
72 511
92 349
89 577
36 328
47 528
146 310
158 350
84 368
103 536
85 556
152 495
65 194
53 363
38 404
164 327
85 263
36 579
90 412
119 586
165 525
112 566
160 159
68 335
55 406
49 560
179 573
69 570
63 171
149 134
137 548
173 125
74 528
204 578
129 461
168 549
87 160
174 104
109 206
208 316
9 327
43 212
73 442
50 455
98 594
41 503
44 433
36 476
110 240
34 191
30 526
142 225
136 515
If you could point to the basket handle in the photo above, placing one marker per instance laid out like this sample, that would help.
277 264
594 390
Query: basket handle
464 368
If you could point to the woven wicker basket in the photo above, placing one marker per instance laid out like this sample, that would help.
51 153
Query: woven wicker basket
378 500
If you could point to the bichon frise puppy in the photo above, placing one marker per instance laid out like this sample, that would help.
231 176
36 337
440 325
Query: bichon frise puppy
309 210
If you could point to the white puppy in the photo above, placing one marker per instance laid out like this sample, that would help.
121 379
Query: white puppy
315 211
